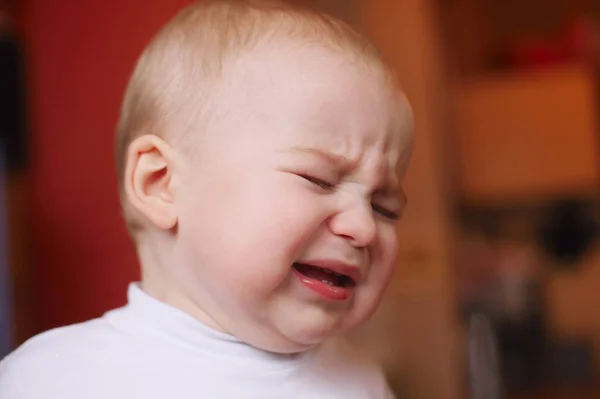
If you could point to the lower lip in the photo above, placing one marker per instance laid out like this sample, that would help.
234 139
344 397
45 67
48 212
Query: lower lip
325 290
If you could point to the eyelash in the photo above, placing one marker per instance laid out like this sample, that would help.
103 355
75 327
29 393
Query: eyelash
385 213
319 182
330 187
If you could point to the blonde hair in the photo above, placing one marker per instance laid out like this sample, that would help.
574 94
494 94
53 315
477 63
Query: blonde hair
184 62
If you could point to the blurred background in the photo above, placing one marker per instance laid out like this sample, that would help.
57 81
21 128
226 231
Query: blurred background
497 293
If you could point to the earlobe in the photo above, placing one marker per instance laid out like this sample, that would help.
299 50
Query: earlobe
149 180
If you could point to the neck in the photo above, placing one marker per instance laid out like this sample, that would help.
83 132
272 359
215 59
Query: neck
164 279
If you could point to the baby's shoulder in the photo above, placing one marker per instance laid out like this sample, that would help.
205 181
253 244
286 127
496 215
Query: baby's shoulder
64 343
55 357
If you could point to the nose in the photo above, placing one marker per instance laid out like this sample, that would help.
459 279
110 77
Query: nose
356 224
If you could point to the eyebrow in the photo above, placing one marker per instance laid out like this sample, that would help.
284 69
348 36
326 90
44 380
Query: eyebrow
340 161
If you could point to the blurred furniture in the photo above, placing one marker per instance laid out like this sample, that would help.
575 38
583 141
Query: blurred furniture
531 138
527 135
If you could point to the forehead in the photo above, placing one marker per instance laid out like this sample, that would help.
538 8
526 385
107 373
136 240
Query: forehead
316 97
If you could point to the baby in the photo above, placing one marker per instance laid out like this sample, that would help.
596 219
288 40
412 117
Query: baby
260 154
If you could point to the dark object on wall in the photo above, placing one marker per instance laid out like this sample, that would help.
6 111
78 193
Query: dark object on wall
523 345
568 230
571 364
12 103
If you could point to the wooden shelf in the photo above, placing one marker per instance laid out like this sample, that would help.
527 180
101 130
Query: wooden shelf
527 135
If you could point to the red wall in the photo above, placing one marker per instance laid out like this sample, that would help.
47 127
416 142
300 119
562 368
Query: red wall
80 54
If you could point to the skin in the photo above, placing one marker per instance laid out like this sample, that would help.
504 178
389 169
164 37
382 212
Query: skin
304 160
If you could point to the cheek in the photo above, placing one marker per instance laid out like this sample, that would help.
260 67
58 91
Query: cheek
387 250
383 266
248 232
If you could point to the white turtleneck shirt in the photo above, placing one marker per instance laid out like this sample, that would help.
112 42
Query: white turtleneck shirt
150 350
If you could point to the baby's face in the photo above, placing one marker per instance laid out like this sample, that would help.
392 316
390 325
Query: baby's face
287 221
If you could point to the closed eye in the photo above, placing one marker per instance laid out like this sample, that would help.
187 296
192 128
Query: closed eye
319 182
386 213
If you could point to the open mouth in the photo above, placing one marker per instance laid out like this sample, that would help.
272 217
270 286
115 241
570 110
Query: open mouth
325 276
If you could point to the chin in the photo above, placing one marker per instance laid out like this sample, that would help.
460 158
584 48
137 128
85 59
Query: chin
307 335
296 339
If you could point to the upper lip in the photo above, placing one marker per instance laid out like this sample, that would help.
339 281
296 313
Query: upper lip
337 266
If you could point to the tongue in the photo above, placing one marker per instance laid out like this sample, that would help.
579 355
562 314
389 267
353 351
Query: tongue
317 274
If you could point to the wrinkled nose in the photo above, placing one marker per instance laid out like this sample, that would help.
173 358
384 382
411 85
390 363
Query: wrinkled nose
356 224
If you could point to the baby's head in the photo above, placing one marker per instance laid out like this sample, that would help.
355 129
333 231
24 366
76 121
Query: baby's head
261 152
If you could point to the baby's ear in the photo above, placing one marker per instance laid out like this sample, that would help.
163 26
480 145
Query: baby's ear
149 180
